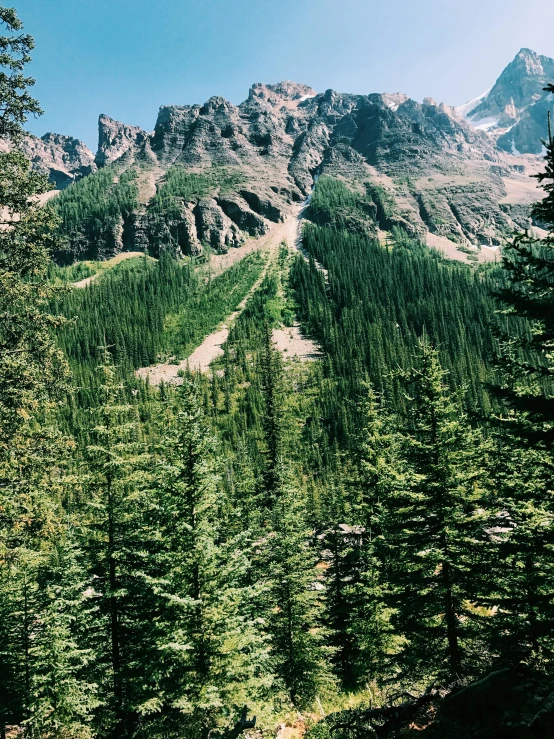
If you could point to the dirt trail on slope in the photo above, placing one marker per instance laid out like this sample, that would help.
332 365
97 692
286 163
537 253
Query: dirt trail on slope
109 263
211 348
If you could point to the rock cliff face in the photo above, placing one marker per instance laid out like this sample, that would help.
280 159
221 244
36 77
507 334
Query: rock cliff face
514 110
431 168
62 159
116 139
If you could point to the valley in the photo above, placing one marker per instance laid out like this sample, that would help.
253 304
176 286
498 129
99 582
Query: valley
276 416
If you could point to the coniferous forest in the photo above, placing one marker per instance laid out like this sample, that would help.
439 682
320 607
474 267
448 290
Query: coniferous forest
338 542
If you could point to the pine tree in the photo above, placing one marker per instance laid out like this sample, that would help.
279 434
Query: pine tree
33 374
61 699
299 641
271 378
379 475
213 659
433 524
117 544
526 365
521 556
520 568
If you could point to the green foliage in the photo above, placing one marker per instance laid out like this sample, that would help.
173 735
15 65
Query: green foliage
180 183
377 304
145 310
275 532
524 436
93 210
334 204
431 524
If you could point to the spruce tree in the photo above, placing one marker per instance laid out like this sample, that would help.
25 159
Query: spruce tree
301 654
521 561
271 379
379 475
33 375
61 697
117 541
213 658
517 588
526 364
433 525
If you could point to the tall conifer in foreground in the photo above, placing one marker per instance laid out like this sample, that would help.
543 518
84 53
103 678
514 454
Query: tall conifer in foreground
301 655
379 476
212 660
434 522
527 362
116 537
33 374
521 563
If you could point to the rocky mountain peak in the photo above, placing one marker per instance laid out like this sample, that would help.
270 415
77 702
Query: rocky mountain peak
280 92
252 162
61 158
514 110
115 139
530 61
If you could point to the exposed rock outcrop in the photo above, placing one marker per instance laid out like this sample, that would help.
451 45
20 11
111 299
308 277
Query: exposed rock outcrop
116 139
215 228
62 159
434 170
513 111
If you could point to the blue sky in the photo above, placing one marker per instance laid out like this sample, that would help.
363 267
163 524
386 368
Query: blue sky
125 58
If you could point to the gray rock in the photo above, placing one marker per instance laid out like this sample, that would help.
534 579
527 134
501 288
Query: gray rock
62 159
215 228
514 110
116 139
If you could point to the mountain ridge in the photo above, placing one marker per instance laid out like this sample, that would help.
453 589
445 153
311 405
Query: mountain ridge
436 169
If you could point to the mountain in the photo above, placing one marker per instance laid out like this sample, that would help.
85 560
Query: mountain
63 159
514 110
216 173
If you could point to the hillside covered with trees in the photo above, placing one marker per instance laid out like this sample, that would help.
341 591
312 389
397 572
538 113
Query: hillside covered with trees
360 545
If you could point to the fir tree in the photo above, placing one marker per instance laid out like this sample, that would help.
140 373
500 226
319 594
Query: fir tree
213 658
379 476
33 374
520 564
526 365
61 699
299 642
116 542
271 377
434 522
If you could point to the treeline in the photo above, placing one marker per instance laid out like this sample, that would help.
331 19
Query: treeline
147 310
180 184
374 305
144 312
94 213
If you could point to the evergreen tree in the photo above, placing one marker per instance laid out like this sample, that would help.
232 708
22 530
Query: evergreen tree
379 476
117 543
434 522
33 373
299 642
271 378
520 567
213 659
527 360
61 699
521 556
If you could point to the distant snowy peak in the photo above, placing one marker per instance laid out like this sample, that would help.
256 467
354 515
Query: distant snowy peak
467 109
514 110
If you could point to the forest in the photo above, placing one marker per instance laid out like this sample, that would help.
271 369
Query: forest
334 543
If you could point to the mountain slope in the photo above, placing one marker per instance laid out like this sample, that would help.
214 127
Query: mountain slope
217 173
514 110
